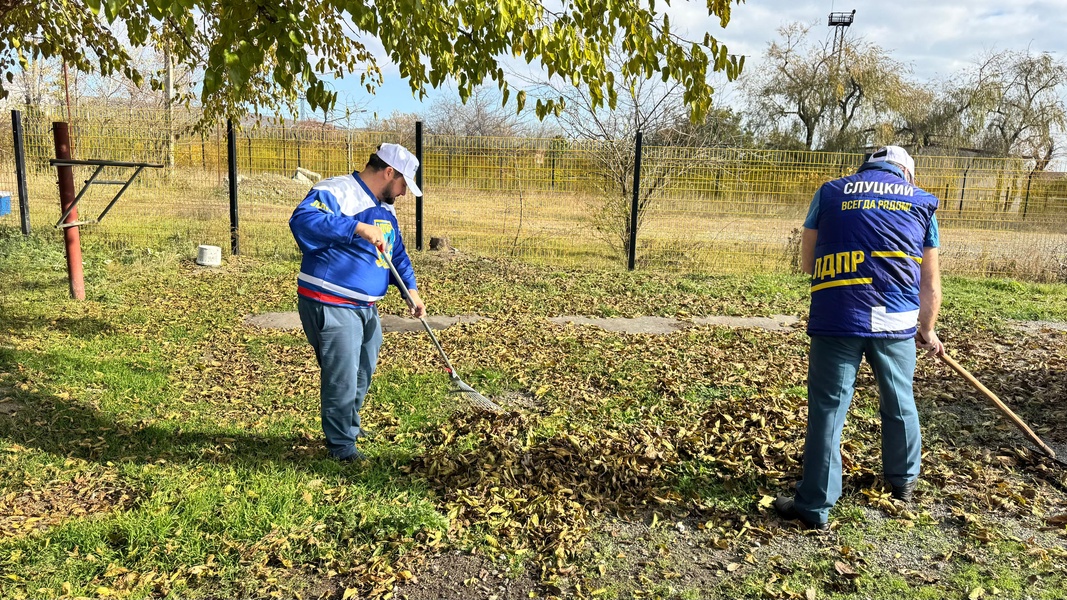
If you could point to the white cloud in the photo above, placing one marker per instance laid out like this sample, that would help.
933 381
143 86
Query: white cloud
935 37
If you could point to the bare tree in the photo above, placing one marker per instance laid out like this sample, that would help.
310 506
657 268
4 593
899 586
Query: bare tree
867 87
1029 108
790 90
651 106
400 123
1008 103
484 114
37 83
940 116
827 101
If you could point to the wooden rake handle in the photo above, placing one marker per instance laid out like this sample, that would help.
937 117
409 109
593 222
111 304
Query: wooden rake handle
1003 407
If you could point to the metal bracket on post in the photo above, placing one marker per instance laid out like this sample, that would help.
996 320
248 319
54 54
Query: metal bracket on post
99 164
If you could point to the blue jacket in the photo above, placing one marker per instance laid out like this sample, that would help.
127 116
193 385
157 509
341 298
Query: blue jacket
339 267
872 228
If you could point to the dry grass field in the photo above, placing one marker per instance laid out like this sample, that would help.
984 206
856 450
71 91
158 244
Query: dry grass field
681 233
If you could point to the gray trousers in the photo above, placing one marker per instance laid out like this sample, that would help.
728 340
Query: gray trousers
346 343
832 368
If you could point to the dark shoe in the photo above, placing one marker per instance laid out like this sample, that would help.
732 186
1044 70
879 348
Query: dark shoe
785 509
355 457
905 492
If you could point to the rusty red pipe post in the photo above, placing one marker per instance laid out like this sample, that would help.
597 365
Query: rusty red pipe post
61 135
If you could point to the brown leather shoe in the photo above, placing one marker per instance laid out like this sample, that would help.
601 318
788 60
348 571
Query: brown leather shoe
785 509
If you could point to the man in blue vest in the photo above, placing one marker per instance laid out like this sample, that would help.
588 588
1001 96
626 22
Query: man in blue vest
340 227
870 244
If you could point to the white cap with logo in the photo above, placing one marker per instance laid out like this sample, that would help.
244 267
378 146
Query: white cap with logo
403 162
895 155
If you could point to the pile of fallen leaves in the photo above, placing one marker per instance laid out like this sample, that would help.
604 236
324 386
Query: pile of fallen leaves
536 490
46 502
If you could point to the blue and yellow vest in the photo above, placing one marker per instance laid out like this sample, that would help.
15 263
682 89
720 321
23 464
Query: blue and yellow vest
867 256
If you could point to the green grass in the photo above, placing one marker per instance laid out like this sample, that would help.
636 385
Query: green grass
992 300
156 446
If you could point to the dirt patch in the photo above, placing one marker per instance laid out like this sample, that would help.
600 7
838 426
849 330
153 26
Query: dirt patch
8 408
274 188
460 576
695 560
207 271
1040 327
442 256
678 555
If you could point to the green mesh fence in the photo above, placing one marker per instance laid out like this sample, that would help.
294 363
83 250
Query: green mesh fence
552 200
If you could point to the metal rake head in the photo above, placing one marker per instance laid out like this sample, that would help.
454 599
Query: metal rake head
474 398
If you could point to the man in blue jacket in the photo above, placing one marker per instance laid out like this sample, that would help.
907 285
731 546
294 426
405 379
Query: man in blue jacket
340 227
870 243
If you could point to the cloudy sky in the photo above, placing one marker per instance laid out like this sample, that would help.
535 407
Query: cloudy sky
935 38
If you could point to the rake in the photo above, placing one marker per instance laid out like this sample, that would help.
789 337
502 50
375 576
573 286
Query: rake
458 386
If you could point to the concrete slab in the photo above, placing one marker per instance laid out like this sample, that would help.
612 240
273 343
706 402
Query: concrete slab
291 320
652 325
663 325
772 323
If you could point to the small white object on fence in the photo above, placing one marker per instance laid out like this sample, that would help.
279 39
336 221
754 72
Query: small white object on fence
208 256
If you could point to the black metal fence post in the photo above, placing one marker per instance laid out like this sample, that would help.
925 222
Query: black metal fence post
418 182
631 260
285 149
1026 202
231 158
20 171
963 188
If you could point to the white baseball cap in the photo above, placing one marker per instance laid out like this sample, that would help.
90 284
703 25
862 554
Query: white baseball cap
402 161
896 155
